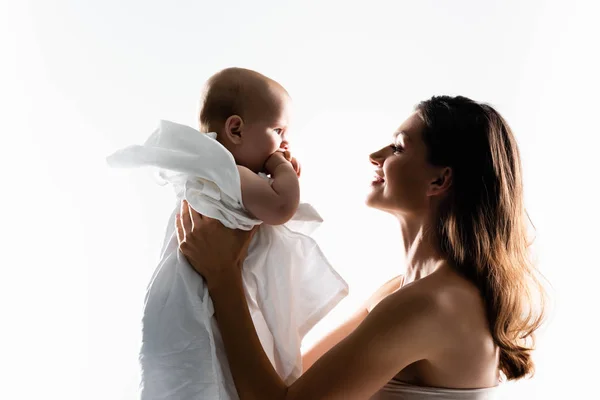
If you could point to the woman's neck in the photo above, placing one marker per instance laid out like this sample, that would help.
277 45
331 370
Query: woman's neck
422 255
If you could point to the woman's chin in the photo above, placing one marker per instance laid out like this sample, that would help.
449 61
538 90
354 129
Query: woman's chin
372 200
377 201
375 193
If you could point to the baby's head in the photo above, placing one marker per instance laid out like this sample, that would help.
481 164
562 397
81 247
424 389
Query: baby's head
249 112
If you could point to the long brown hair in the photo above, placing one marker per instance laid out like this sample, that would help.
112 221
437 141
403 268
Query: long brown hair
481 223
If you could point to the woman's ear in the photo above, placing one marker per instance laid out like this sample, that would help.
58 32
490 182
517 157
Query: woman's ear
442 182
234 125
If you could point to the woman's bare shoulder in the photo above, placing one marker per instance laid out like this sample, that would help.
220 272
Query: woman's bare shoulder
417 304
446 287
445 300
384 291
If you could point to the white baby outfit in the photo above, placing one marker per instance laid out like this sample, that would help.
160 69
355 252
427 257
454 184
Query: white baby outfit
289 283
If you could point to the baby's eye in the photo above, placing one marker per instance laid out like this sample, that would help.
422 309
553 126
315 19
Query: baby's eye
397 149
278 131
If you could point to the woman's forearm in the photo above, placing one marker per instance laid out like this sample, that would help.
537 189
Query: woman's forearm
253 373
336 336
333 338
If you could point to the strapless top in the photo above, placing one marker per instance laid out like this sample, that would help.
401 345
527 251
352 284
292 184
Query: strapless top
397 390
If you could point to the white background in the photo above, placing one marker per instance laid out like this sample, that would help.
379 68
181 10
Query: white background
80 79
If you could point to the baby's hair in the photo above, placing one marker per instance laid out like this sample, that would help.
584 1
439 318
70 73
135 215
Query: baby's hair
234 91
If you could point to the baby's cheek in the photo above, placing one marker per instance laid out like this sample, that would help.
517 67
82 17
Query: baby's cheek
273 147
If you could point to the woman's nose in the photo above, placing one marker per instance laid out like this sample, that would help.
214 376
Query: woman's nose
376 159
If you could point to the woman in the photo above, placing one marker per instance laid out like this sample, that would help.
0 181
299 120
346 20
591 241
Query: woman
457 321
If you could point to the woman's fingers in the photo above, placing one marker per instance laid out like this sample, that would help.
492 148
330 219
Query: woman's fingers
186 220
179 229
196 218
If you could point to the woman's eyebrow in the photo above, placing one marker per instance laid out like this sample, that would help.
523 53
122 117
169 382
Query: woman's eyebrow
404 134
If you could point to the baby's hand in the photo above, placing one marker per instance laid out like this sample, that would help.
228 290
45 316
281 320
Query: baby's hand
274 161
294 162
280 157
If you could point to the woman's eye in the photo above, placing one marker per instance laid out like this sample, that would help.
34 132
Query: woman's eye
397 149
278 131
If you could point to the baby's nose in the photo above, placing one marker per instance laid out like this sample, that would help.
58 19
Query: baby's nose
284 145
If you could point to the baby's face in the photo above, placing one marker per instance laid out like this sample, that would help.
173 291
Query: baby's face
265 135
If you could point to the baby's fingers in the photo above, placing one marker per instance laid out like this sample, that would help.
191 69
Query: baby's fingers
296 166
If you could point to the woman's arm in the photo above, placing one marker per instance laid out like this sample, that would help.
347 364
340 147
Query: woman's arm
336 336
398 332
405 327
252 370
332 338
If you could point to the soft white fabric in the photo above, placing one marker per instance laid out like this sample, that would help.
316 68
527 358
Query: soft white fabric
289 283
397 390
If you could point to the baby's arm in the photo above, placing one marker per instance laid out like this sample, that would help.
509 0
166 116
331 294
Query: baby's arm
275 204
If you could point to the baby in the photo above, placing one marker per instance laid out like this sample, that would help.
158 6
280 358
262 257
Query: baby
250 114
236 169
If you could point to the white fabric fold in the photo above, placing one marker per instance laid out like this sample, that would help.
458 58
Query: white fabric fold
288 281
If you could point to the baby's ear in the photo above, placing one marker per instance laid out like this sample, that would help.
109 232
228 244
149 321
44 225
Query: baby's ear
233 128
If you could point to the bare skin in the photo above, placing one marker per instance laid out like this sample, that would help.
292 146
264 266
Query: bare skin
258 141
428 328
277 202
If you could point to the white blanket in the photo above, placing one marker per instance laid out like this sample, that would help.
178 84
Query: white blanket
289 283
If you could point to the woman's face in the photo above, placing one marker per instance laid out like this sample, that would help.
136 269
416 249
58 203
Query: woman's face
403 178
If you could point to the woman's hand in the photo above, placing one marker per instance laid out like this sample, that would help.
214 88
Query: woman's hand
214 251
